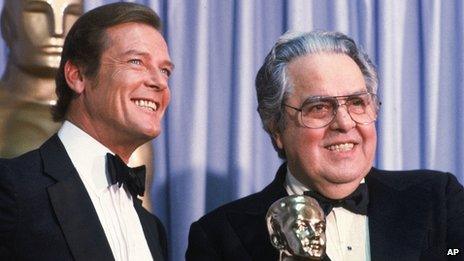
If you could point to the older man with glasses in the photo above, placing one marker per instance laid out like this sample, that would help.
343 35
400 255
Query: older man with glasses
317 100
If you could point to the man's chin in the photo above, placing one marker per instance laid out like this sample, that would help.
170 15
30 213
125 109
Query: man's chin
150 134
343 172
343 178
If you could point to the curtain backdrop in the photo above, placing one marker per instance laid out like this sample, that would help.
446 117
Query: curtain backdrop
213 148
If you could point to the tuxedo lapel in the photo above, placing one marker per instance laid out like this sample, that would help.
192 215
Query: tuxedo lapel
252 235
397 228
73 206
150 230
248 224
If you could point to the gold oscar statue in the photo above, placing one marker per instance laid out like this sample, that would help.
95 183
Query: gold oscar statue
34 32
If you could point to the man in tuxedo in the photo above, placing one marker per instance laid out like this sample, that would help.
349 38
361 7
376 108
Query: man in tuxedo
317 100
74 198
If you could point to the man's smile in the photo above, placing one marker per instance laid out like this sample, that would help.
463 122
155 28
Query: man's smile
146 104
347 146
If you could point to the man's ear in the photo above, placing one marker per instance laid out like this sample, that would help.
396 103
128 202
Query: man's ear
277 136
74 77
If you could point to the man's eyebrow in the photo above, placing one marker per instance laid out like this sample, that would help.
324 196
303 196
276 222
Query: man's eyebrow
143 53
359 92
351 94
170 65
135 52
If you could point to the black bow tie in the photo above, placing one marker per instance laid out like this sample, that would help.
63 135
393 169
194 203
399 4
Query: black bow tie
356 202
132 178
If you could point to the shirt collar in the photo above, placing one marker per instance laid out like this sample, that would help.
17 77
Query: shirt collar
87 155
295 187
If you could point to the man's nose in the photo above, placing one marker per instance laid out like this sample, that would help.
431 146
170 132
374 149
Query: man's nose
156 80
342 120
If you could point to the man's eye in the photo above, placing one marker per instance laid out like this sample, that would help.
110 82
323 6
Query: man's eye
357 102
135 61
317 107
166 71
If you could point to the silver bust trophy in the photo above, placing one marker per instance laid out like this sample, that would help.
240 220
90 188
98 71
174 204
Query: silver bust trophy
296 226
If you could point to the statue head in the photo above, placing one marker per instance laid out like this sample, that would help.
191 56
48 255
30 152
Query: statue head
296 226
34 31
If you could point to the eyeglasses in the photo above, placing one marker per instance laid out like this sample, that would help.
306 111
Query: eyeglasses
319 111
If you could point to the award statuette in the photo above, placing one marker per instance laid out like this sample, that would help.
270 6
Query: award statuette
296 226
34 32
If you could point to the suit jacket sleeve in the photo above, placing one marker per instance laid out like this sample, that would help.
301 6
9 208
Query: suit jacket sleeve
455 214
199 246
162 238
8 210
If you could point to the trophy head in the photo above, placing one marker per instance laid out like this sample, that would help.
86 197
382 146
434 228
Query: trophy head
35 30
296 226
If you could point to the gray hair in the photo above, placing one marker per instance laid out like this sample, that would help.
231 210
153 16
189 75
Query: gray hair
273 85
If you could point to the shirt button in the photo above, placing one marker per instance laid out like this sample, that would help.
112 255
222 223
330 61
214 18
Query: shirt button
349 248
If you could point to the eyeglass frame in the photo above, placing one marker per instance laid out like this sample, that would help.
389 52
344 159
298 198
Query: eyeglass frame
343 97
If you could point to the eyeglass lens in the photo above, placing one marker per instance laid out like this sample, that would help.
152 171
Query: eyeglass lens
318 112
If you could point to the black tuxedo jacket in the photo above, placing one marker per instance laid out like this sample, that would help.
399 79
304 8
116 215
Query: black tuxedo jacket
412 215
46 213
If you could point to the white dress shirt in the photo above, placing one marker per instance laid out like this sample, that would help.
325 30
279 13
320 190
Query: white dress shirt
347 233
112 203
